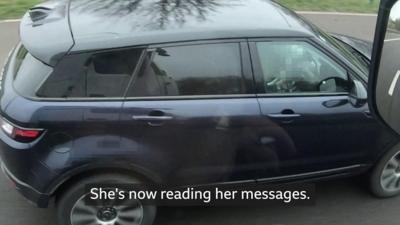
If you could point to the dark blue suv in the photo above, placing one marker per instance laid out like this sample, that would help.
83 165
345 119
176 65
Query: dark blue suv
183 92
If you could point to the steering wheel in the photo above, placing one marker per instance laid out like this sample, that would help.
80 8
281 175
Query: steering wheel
281 85
325 81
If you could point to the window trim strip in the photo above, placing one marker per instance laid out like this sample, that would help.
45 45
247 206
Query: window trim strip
135 72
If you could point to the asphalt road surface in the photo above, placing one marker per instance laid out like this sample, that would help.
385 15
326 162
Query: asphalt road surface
360 26
341 202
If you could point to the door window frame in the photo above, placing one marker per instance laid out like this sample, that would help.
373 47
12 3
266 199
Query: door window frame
259 73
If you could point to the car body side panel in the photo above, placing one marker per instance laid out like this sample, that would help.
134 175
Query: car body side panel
330 132
206 141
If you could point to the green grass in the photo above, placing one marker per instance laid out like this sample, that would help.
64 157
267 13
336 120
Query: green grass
11 9
359 6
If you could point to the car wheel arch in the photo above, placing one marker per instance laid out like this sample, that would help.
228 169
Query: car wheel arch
72 177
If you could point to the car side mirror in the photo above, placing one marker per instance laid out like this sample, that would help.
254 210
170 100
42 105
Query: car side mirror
384 87
358 94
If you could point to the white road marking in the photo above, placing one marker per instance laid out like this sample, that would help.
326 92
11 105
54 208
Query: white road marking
394 83
10 21
394 39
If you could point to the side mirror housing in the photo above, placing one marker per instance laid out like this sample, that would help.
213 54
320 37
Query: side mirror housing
358 94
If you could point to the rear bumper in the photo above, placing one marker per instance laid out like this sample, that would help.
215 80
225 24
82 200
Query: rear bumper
35 197
25 172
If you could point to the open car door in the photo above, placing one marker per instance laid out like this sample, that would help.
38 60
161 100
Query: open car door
384 80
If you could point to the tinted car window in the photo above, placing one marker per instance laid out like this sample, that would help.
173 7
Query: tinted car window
19 58
298 67
99 75
29 73
213 69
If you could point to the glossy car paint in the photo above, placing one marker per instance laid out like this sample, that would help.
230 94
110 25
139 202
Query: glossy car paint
153 22
208 139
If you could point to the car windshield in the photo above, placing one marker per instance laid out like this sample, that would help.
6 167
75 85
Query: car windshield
356 61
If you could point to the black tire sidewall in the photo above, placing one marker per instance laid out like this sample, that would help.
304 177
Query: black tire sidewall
376 173
77 190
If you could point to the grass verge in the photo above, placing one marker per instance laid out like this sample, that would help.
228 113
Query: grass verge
12 9
358 6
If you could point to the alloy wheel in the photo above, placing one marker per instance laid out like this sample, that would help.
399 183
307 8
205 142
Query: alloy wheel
106 213
390 177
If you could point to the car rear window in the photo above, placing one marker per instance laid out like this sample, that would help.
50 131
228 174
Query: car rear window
91 75
29 73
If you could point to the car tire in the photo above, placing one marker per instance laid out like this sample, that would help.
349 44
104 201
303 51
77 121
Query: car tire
385 176
72 199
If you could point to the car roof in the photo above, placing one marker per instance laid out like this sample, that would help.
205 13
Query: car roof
102 24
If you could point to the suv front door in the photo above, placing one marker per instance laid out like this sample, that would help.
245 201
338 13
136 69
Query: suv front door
305 92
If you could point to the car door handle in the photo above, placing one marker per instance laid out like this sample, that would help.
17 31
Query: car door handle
152 118
284 116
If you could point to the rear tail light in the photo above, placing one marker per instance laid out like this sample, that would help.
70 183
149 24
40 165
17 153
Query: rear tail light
19 134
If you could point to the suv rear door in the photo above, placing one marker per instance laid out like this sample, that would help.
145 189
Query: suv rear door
196 110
